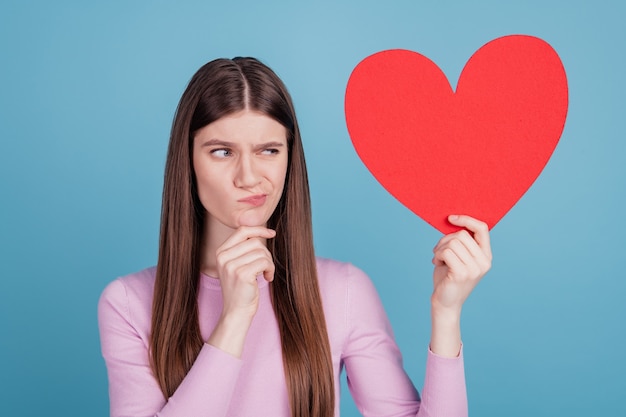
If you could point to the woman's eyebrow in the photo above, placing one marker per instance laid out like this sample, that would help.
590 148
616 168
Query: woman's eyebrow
272 144
227 144
218 142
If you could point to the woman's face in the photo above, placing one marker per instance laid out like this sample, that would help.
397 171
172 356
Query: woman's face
240 163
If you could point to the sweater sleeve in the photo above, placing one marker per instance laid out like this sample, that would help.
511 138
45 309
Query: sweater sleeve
133 389
373 364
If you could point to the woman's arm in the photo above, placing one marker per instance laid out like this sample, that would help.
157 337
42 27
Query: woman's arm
238 261
210 383
123 318
373 362
460 260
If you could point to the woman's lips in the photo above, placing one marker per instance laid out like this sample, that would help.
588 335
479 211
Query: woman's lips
255 200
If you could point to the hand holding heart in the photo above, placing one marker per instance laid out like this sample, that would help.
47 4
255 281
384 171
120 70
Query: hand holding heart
474 151
460 260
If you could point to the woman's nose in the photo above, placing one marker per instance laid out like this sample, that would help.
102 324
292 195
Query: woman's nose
246 175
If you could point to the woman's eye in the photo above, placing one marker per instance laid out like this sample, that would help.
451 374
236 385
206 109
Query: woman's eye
270 151
221 153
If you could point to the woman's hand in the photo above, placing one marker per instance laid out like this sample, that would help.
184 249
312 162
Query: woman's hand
240 259
460 262
461 259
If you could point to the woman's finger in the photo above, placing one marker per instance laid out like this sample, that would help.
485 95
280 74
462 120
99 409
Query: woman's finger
477 227
461 251
252 244
244 233
474 261
257 266
462 235
448 257
231 264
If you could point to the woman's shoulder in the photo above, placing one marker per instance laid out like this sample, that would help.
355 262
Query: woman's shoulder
352 306
129 297
138 284
334 272
343 281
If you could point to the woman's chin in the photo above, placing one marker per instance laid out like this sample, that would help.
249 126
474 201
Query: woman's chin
251 220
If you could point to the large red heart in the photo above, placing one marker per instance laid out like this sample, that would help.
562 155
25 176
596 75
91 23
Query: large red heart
472 152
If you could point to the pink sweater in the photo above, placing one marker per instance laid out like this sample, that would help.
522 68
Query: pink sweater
218 384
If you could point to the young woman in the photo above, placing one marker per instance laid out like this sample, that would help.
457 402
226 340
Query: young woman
239 318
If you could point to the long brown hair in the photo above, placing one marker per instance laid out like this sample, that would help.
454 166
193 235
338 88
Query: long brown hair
219 88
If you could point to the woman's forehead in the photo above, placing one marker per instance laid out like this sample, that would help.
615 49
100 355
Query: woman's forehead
243 127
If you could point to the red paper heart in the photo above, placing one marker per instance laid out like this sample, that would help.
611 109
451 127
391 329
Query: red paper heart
472 152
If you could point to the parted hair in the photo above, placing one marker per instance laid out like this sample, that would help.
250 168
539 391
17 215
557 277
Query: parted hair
219 88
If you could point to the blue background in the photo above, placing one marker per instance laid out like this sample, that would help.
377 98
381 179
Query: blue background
87 95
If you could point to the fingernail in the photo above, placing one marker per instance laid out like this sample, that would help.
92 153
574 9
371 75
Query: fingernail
453 217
